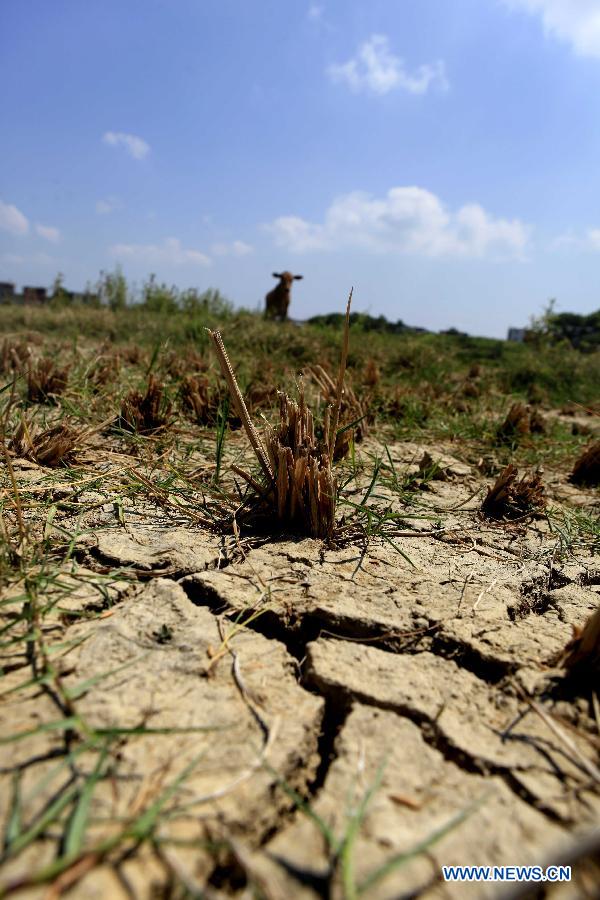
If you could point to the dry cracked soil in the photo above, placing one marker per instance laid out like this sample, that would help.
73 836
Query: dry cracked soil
318 720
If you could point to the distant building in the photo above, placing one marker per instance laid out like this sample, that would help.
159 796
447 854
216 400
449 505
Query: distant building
34 296
7 292
517 334
38 296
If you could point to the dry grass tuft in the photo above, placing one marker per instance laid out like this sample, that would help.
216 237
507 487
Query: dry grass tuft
146 413
202 401
581 656
586 470
131 354
13 355
351 410
45 381
104 370
581 428
537 423
53 447
396 402
536 395
303 491
196 399
261 395
372 373
299 486
470 389
520 421
512 499
177 364
516 423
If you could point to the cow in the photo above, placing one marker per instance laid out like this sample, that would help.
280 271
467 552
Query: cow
277 301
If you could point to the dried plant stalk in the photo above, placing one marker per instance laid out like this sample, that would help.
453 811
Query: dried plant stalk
240 406
340 382
351 409
345 409
301 488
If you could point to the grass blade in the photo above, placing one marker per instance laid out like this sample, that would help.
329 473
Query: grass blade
79 820
13 825
50 815
347 845
400 858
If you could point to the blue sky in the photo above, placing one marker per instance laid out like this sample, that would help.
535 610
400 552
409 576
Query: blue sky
442 156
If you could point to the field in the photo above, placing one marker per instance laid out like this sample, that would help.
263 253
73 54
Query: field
206 694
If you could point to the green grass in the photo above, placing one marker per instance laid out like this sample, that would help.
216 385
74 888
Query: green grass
561 373
425 394
576 530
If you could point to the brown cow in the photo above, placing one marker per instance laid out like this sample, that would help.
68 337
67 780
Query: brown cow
278 300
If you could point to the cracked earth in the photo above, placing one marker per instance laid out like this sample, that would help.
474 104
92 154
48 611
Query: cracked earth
303 681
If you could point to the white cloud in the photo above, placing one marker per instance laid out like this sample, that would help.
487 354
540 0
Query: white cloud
12 219
407 220
235 248
574 21
376 69
107 205
135 146
588 241
48 233
315 11
169 252
567 239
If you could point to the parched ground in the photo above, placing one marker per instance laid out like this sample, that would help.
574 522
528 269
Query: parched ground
190 713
